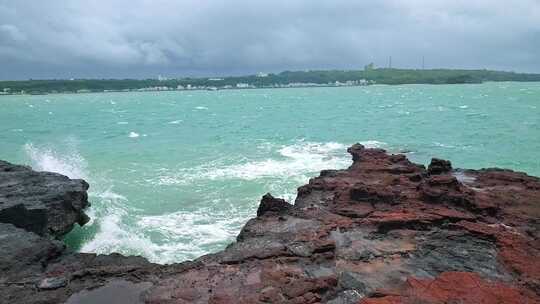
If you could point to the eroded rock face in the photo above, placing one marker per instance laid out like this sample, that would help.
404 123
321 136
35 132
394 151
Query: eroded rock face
46 203
383 231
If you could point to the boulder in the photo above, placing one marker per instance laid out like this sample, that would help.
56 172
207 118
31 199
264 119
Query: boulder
46 203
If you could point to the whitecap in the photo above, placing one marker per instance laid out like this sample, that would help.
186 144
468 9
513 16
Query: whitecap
175 122
463 107
372 144
438 144
112 236
122 123
133 134
189 232
201 108
298 162
107 210
70 163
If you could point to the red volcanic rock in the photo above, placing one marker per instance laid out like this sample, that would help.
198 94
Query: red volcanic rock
383 231
453 287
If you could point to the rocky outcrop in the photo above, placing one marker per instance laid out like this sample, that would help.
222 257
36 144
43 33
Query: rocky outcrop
42 202
383 231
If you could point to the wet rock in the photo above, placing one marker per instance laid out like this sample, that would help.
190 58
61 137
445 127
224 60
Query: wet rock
41 202
117 291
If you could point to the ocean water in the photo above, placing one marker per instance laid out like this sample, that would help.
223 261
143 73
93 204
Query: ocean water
175 175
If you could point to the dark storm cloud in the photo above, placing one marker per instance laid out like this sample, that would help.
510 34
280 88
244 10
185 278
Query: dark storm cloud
140 38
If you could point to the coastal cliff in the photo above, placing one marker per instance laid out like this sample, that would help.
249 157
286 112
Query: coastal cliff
383 231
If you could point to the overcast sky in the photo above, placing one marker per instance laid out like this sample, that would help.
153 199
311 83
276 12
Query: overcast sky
145 38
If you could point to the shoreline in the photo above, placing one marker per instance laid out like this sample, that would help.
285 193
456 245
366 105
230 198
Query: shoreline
371 233
267 88
307 78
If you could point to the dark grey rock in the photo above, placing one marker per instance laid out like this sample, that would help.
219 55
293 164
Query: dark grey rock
438 166
272 204
41 202
353 281
23 251
441 251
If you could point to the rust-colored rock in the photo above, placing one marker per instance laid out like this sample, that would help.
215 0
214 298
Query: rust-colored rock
453 287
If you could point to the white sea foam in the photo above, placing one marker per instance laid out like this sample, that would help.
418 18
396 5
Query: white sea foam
112 236
463 107
180 235
190 233
175 122
122 123
133 134
298 161
107 210
201 108
187 234
71 164
438 144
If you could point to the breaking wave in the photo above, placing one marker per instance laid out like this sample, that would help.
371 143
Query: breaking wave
71 164
117 226
298 161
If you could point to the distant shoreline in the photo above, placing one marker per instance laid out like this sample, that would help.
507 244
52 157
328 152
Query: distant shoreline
258 88
287 79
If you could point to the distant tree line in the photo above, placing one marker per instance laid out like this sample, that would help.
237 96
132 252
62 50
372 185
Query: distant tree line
371 74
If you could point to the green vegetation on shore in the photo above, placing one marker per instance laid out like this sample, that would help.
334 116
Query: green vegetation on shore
284 79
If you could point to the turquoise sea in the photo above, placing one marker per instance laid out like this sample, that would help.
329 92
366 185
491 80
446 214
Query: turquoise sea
175 175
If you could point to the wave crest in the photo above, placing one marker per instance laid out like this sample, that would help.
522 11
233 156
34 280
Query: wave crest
71 164
295 161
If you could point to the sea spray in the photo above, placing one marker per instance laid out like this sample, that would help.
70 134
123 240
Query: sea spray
71 163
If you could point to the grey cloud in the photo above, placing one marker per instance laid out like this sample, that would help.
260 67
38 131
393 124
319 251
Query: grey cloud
142 38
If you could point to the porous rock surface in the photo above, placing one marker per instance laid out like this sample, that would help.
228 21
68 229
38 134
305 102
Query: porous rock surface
383 231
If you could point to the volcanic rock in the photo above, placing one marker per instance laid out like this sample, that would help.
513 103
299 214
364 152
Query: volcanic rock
438 166
42 202
383 231
272 204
